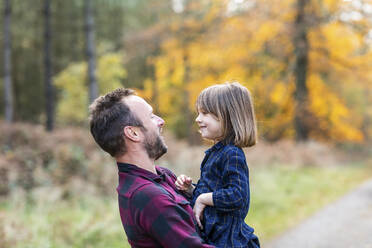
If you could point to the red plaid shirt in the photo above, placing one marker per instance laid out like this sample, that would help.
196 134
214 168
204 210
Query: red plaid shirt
153 213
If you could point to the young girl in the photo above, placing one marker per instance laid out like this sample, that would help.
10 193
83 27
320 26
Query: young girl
221 197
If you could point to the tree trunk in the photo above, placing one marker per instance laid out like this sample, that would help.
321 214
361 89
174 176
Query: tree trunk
90 50
75 34
191 136
155 95
301 50
49 89
8 87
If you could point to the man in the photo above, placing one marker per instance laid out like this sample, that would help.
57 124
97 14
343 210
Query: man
152 211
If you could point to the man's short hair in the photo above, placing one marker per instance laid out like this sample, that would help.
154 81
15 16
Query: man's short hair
108 115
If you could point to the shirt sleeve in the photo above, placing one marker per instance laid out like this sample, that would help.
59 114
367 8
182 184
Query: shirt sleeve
165 220
235 176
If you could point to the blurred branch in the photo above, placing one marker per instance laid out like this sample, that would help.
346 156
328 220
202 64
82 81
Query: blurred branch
344 63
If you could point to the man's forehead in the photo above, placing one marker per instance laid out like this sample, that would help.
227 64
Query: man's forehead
136 101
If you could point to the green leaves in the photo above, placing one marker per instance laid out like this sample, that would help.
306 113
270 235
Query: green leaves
73 104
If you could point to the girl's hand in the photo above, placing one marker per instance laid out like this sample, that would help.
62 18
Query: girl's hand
198 211
184 183
205 199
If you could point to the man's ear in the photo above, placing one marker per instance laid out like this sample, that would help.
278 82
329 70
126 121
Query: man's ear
132 133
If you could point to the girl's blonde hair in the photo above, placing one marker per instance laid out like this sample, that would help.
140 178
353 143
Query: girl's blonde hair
232 104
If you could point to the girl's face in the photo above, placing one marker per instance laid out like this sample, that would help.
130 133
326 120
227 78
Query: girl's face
210 126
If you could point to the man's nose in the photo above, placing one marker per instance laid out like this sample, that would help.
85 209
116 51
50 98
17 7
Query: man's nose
160 121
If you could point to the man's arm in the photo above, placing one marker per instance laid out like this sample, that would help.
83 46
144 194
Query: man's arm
164 219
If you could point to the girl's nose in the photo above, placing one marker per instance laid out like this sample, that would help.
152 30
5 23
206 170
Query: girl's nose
197 118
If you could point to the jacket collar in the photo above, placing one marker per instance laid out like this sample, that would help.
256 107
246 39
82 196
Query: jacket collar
134 170
215 147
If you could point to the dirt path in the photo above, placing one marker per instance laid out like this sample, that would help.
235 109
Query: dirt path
346 223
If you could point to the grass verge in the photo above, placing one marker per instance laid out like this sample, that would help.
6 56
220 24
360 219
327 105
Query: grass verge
281 197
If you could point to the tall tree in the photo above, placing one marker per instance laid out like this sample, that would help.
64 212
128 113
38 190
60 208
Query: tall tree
142 43
90 50
296 53
301 54
175 68
7 64
49 89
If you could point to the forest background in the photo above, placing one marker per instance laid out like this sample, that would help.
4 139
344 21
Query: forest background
307 64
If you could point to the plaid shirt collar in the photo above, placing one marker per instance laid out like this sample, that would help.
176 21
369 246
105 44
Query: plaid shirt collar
215 147
137 171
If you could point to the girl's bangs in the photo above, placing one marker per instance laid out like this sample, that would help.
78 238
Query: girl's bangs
205 103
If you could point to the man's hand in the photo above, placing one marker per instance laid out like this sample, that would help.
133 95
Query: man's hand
184 183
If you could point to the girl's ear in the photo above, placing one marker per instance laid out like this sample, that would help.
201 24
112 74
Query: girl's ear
132 133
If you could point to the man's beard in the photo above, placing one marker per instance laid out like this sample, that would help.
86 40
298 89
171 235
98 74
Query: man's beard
154 146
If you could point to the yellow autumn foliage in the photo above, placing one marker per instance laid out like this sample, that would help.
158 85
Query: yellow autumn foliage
71 83
255 48
333 116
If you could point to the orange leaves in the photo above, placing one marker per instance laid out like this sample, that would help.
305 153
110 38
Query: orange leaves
333 116
255 48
